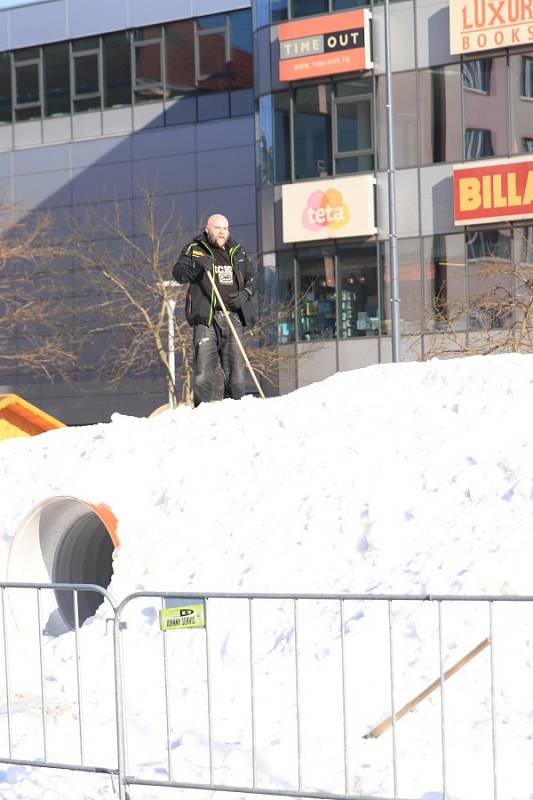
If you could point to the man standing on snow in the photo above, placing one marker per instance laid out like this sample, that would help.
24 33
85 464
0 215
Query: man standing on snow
235 278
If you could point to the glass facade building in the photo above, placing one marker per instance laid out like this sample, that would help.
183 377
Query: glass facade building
92 102
448 109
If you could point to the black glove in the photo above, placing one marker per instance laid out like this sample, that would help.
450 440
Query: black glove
236 300
197 270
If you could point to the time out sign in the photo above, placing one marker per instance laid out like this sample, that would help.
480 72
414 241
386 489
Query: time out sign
324 45
493 191
488 24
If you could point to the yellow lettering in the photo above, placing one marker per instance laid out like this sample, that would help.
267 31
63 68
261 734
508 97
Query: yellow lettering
500 201
528 191
469 194
513 198
487 191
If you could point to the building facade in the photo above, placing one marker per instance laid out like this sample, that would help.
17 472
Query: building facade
274 113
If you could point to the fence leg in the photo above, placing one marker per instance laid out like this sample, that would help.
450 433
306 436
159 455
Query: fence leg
123 791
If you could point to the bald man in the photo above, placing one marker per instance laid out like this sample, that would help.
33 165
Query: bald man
214 345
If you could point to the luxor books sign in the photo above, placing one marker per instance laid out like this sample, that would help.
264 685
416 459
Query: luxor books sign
325 45
477 25
493 191
328 209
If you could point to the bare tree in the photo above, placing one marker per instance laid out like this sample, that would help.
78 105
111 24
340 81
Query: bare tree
495 316
126 310
125 255
36 336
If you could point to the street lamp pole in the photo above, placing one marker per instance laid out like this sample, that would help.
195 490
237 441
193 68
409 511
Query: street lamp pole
391 176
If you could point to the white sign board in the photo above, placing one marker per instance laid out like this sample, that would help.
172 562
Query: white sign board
328 209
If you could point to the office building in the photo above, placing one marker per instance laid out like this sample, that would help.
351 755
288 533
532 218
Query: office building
274 113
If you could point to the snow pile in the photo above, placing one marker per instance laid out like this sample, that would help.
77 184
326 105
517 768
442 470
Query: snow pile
412 478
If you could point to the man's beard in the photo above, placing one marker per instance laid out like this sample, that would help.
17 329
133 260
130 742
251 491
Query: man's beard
212 240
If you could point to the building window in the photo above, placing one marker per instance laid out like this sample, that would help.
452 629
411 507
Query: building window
212 53
320 130
286 297
405 120
281 10
86 63
410 285
240 67
282 136
439 123
312 131
478 143
527 144
490 279
117 69
476 75
325 293
359 304
5 88
305 8
444 283
526 77
317 292
179 49
486 100
26 65
147 64
353 140
524 242
56 79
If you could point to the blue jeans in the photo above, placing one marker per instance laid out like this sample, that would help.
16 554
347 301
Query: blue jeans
214 347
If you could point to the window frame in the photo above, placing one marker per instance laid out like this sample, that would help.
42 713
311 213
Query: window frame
16 106
526 76
476 74
45 113
299 253
129 36
340 154
135 87
98 95
199 34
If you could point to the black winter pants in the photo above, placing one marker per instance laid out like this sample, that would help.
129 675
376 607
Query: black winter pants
215 346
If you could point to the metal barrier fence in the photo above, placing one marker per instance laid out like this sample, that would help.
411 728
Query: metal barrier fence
31 614
337 697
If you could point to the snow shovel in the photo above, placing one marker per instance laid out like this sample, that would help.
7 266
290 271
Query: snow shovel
236 335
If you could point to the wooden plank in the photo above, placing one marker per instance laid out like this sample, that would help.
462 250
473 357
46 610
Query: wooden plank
387 723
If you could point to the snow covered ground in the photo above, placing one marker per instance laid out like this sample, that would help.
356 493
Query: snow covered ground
414 479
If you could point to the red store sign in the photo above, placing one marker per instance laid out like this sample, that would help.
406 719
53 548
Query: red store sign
325 45
493 191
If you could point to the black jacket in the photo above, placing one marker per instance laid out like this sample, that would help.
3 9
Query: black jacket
200 301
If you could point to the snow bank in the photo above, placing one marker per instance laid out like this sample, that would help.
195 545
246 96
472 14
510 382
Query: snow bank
411 478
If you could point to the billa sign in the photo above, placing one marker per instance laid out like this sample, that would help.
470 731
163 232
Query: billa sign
328 209
325 45
477 25
493 191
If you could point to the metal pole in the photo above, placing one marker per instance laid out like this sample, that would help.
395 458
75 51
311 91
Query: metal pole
169 289
391 175
171 311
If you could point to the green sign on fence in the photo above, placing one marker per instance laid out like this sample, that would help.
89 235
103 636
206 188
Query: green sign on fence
182 613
